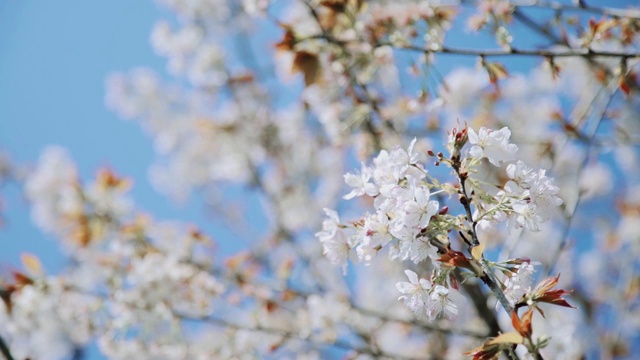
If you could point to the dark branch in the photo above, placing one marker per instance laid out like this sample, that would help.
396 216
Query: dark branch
4 349
587 53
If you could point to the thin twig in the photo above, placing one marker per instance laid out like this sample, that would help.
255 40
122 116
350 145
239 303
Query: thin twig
421 324
487 275
582 6
553 53
570 213
294 336
4 349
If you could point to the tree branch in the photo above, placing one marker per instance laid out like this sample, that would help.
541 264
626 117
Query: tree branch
4 349
587 53
582 6
487 275
294 336
429 327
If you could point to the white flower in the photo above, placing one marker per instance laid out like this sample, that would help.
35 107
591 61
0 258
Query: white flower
421 249
527 216
544 195
439 303
375 235
519 284
376 229
329 226
494 145
335 242
521 177
108 201
537 196
51 189
414 292
47 320
390 167
360 183
396 165
255 7
383 172
406 237
419 210
157 282
414 157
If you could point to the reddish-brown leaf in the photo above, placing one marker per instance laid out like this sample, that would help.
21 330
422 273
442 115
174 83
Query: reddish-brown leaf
543 293
496 71
624 85
484 352
492 347
555 297
526 323
455 258
309 65
453 280
5 295
546 285
21 279
603 25
288 40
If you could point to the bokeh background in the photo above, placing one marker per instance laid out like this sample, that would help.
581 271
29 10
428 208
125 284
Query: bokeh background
54 60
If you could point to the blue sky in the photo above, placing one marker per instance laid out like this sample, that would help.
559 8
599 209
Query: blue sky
55 58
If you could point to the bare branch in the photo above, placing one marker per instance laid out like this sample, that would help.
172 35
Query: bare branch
294 336
586 53
582 6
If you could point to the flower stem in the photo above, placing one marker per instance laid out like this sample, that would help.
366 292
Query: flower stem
487 275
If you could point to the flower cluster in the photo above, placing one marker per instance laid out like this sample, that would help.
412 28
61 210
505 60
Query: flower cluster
534 196
422 298
403 210
43 319
64 207
413 226
519 283
131 275
494 145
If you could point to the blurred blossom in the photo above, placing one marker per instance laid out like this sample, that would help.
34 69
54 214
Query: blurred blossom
320 133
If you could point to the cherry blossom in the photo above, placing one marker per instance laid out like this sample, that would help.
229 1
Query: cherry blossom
415 292
335 241
440 304
520 283
494 145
